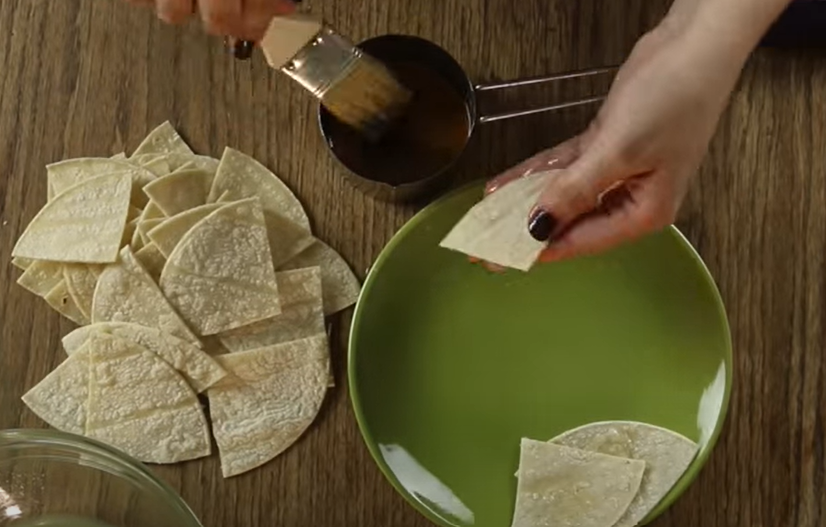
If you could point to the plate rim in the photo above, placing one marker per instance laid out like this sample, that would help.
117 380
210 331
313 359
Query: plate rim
676 492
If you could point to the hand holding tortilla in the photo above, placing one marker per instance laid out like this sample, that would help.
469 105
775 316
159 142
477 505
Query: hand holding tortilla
188 275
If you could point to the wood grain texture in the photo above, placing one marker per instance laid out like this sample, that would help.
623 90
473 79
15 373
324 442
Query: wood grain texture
91 77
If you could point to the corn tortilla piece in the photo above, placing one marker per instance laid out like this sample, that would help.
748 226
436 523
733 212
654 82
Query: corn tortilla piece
243 177
220 275
302 314
177 161
136 242
21 263
144 226
180 191
63 175
62 302
162 140
167 234
83 224
120 156
134 213
666 454
158 166
81 280
287 239
139 404
269 398
126 293
559 485
152 212
198 368
41 277
60 398
152 260
340 287
495 229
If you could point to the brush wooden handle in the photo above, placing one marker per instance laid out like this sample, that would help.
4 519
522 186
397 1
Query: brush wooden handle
286 36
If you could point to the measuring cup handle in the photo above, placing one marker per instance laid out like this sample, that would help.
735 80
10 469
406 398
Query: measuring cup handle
543 80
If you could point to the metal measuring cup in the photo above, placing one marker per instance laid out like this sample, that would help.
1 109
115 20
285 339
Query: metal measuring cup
389 48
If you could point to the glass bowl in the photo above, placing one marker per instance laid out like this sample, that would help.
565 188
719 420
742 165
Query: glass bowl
53 479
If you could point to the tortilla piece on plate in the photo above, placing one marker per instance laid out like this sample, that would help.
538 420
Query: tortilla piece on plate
63 175
158 166
302 314
243 177
139 404
83 224
136 243
559 485
144 226
21 263
81 280
60 398
340 287
199 369
126 293
152 212
167 234
41 277
152 260
180 191
162 140
496 229
220 276
62 302
176 161
666 454
270 397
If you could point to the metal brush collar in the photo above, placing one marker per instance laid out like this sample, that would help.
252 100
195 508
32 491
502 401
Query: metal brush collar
320 64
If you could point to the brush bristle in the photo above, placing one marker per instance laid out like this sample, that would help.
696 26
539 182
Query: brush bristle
368 97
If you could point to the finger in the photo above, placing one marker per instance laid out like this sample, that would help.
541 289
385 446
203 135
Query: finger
557 157
638 208
221 17
174 11
575 190
258 14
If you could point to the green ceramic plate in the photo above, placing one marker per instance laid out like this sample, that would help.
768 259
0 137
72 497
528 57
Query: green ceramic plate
450 366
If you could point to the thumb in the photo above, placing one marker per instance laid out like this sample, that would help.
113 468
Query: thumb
574 191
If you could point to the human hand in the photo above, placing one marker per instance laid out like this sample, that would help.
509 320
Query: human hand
241 19
628 173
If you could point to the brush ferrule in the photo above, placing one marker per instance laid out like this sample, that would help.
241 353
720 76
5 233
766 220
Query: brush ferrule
324 60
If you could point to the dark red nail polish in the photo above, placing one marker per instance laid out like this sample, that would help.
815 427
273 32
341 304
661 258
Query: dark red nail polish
541 225
242 49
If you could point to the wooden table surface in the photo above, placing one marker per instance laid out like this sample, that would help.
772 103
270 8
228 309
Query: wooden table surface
92 77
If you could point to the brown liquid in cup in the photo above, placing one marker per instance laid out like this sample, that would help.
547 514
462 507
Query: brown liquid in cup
430 136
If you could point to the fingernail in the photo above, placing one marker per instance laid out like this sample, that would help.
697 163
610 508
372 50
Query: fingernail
541 225
242 49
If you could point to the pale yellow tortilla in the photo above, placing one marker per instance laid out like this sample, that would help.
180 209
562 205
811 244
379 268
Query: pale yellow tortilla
666 454
567 486
340 286
302 314
144 226
126 293
83 224
180 191
287 239
167 234
81 280
158 166
162 140
496 229
243 177
270 397
177 160
120 156
63 175
220 275
21 263
152 212
130 233
140 405
198 368
62 302
41 277
136 242
60 398
152 260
